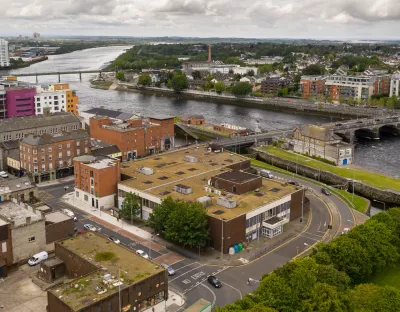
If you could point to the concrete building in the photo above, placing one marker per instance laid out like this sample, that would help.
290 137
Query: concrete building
22 190
394 85
244 205
135 137
3 103
58 226
49 156
312 86
27 230
58 97
322 142
4 57
109 277
20 101
18 128
14 164
96 181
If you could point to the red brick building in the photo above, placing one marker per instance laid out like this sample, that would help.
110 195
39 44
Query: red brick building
96 180
312 86
135 137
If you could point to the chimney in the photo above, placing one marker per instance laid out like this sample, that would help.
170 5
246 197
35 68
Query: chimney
28 220
209 54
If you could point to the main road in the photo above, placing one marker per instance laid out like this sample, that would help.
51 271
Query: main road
190 278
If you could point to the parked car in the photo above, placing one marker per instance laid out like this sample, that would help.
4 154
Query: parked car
266 174
70 214
3 174
114 239
169 268
90 227
325 191
142 253
214 281
294 183
37 258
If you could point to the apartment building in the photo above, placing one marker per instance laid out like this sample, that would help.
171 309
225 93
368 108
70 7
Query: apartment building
394 85
20 101
58 97
3 103
96 180
123 281
312 86
322 142
4 57
17 128
240 206
135 137
50 156
273 84
359 88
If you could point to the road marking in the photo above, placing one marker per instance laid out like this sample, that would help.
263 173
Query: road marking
240 293
313 234
186 265
314 239
186 273
213 293
186 281
197 275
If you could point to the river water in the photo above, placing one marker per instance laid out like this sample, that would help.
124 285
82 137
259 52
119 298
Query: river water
379 155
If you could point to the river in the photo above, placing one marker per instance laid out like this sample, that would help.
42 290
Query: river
380 155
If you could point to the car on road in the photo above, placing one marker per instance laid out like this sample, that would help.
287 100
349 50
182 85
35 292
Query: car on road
142 253
70 214
169 268
266 174
114 239
3 174
325 191
214 281
90 227
294 183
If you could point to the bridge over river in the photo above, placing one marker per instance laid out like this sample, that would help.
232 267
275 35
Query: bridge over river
59 73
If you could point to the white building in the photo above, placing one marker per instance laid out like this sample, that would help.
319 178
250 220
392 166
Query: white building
56 100
395 85
4 58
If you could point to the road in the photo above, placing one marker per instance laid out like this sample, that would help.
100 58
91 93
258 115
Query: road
190 278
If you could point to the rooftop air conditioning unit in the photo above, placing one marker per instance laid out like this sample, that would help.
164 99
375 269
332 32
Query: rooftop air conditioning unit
190 159
146 171
227 203
183 189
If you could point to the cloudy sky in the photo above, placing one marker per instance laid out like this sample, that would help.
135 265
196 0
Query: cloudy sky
378 19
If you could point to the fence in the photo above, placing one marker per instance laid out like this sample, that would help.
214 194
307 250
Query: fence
266 249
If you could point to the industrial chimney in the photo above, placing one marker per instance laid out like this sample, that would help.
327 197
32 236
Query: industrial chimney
209 54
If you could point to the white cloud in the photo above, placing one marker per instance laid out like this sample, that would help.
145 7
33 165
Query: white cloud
228 18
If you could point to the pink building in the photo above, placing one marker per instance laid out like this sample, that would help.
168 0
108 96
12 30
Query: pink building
20 101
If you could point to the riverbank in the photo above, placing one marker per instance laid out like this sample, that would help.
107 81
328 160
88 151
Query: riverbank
294 106
16 64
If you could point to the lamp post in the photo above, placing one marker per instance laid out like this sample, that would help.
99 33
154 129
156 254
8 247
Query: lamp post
381 202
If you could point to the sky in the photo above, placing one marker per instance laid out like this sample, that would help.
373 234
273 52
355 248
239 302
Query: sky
319 19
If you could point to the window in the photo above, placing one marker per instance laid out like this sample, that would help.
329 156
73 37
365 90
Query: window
78 152
49 149
68 153
43 167
86 198
59 146
4 247
68 145
60 163
77 194
35 160
42 151
50 157
50 166
35 169
60 155
34 151
78 143
91 173
32 239
86 150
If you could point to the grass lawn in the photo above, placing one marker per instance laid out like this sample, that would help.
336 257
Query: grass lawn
360 203
389 277
374 179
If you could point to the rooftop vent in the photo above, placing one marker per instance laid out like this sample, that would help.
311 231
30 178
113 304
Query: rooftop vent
205 201
179 173
148 182
259 194
161 165
227 203
218 212
163 178
275 190
193 169
146 171
191 159
157 158
183 189
165 193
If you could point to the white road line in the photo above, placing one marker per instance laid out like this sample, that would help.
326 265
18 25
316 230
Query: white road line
317 235
240 293
176 263
186 273
314 239
186 265
213 293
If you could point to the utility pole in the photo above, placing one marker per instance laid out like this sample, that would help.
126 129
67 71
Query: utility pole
222 239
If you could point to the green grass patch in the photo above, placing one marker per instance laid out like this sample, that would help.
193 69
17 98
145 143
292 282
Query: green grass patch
373 179
360 203
388 277
104 256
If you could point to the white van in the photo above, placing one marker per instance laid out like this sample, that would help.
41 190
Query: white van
266 174
39 257
70 214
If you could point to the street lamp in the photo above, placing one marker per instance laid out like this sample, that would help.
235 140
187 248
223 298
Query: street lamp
381 202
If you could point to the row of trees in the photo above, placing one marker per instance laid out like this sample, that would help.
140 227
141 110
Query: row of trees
181 222
330 279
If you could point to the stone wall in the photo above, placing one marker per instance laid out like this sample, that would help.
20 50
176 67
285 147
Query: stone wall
388 196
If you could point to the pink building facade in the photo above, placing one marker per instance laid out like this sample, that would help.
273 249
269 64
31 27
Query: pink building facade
20 102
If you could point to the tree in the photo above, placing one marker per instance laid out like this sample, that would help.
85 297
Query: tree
341 100
350 100
250 72
330 99
159 217
144 80
179 82
381 102
120 76
325 298
130 206
372 298
313 69
285 91
219 87
188 225
242 89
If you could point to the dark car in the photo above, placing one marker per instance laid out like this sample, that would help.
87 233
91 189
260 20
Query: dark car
114 239
325 191
214 281
294 183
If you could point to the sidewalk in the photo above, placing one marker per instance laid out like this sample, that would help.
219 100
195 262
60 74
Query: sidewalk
54 182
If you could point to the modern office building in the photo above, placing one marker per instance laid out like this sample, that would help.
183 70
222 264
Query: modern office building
4 57
96 181
20 101
241 206
103 276
58 97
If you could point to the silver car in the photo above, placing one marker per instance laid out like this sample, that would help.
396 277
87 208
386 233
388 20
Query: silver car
169 268
90 227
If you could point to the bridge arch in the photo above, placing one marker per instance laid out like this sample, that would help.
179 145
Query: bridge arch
390 129
367 133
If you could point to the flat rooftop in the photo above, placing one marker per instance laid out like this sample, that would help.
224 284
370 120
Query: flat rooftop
110 258
11 211
236 176
171 169
102 163
8 186
56 217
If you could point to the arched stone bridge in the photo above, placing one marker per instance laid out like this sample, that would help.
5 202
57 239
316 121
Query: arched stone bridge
366 127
